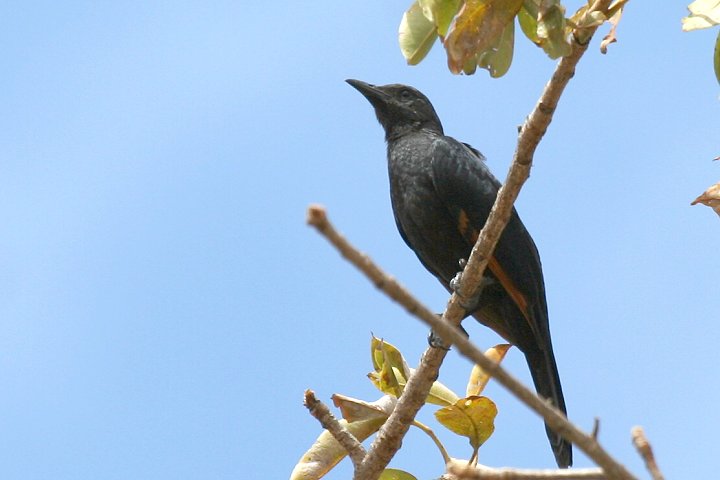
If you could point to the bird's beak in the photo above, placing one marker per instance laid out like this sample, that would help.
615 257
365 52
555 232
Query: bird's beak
374 94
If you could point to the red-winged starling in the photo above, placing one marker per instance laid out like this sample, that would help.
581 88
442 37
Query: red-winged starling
441 193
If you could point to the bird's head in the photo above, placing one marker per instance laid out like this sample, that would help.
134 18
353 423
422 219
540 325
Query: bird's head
400 109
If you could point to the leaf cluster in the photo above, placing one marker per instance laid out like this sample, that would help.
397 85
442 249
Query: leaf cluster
472 416
481 33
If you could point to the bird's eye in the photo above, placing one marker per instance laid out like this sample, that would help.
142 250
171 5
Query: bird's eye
405 95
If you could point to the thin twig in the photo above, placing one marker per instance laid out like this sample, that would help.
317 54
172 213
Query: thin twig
462 471
645 450
596 429
429 432
328 421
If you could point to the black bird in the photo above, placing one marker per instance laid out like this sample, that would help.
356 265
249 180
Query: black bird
442 193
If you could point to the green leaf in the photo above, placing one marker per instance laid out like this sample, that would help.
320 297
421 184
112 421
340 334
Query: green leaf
478 27
441 395
544 23
703 14
392 372
498 57
472 417
440 12
716 59
552 31
386 354
395 474
416 34
528 23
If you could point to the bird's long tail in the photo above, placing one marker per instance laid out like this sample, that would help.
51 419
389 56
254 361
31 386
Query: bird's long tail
547 383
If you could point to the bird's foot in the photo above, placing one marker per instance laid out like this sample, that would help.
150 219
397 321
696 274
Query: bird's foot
455 281
436 341
469 304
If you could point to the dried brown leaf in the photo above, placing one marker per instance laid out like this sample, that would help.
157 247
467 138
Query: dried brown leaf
610 37
710 197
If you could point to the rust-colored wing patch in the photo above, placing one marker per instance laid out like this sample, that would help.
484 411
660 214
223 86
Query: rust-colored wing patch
471 235
516 295
463 224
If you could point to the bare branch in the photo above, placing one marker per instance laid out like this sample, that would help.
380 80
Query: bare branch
429 364
328 421
413 398
462 471
553 417
645 450
530 135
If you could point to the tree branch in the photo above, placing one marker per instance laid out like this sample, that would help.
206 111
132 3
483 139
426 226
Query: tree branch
328 421
412 396
390 436
462 471
645 450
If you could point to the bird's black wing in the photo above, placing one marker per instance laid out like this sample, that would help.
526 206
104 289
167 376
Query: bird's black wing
516 308
468 189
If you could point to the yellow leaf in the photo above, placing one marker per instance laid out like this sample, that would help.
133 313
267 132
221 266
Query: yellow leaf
391 369
385 354
394 474
441 395
479 377
472 417
477 27
392 372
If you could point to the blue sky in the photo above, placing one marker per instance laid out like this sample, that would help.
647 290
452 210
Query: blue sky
163 305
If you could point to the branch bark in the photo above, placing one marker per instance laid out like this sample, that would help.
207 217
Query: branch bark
328 421
645 450
462 471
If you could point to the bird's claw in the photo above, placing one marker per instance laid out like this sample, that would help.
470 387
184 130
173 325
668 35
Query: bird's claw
468 304
436 341
455 282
